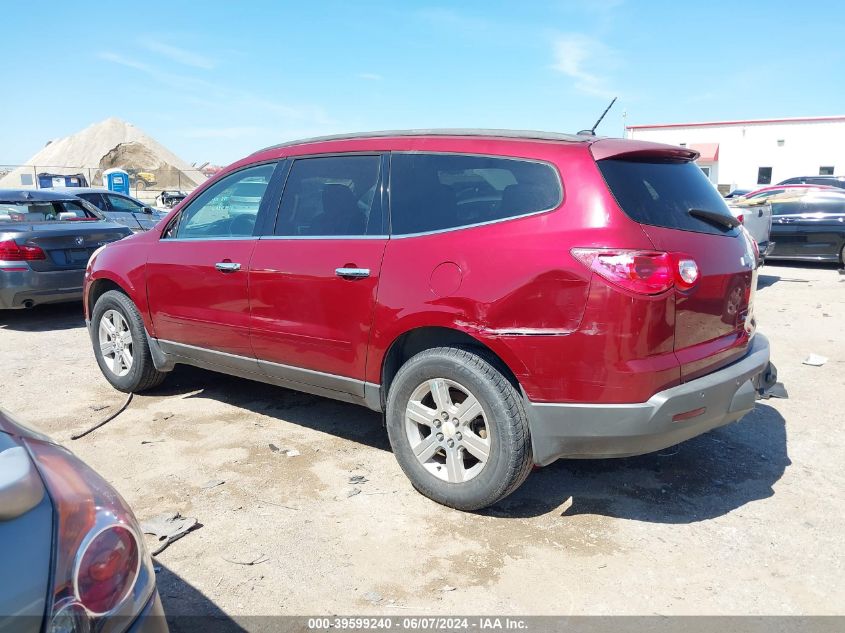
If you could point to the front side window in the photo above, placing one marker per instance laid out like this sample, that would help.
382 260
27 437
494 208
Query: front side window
764 176
432 192
228 208
94 198
332 196
119 203
787 208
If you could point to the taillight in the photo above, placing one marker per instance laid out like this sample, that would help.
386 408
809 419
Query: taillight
642 272
11 251
107 569
102 572
741 218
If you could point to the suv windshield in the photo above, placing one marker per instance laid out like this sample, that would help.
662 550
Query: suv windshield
58 211
663 193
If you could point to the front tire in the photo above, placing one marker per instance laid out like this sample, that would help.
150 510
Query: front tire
120 344
458 428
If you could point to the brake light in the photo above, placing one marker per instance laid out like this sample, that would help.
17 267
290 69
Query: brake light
642 272
11 251
741 218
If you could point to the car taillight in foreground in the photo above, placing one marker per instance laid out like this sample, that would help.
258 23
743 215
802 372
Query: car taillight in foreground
11 251
642 272
103 576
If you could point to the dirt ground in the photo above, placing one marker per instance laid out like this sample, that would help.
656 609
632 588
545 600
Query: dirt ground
747 519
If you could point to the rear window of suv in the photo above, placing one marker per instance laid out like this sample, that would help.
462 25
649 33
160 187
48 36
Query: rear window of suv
433 192
663 193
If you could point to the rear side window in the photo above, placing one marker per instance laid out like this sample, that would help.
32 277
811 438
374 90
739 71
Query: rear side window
432 192
663 193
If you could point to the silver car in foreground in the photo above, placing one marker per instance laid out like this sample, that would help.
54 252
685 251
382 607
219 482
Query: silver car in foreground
72 556
46 239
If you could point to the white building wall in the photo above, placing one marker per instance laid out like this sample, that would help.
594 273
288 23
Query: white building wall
746 146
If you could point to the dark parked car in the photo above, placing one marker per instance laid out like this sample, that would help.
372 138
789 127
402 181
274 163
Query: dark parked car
506 298
810 227
72 557
46 239
830 181
171 197
119 207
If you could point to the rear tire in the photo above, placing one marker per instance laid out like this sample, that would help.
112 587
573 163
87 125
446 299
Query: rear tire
458 428
120 344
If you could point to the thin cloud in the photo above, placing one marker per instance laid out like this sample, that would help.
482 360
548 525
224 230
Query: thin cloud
587 61
179 55
222 132
369 76
115 58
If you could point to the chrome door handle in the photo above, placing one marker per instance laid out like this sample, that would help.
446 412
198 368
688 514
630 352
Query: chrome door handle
355 273
227 267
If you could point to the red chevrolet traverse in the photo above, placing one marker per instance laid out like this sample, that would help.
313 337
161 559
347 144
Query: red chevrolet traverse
505 298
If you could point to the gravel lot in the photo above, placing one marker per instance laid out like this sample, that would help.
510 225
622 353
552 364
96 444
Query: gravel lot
747 519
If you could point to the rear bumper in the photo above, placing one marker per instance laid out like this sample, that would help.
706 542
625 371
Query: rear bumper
20 289
621 430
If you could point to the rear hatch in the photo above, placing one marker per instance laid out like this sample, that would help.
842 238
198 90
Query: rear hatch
67 245
681 212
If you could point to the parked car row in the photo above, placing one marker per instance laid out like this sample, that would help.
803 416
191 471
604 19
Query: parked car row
798 222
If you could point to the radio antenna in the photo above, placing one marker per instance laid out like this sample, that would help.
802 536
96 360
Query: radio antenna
592 130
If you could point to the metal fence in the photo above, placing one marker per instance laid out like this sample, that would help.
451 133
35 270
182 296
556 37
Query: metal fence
145 184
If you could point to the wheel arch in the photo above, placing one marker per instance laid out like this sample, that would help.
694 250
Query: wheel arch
97 289
418 339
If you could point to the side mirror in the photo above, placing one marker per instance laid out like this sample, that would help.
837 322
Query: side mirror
148 210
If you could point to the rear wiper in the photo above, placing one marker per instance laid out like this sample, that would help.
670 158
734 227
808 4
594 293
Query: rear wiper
714 217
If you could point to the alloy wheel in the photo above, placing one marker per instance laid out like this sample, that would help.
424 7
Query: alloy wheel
115 342
447 430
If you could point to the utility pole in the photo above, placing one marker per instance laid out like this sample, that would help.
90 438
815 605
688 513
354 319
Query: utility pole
624 120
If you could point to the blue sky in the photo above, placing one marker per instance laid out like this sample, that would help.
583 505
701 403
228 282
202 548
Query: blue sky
215 81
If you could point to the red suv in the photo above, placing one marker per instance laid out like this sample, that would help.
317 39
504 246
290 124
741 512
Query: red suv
505 298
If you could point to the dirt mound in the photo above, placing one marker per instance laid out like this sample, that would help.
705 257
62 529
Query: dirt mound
109 143
136 158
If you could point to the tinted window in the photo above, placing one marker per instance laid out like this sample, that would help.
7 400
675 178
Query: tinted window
94 198
787 208
218 212
332 196
662 194
119 203
431 192
764 176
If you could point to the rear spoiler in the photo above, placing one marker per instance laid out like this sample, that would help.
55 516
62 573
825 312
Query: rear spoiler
640 150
